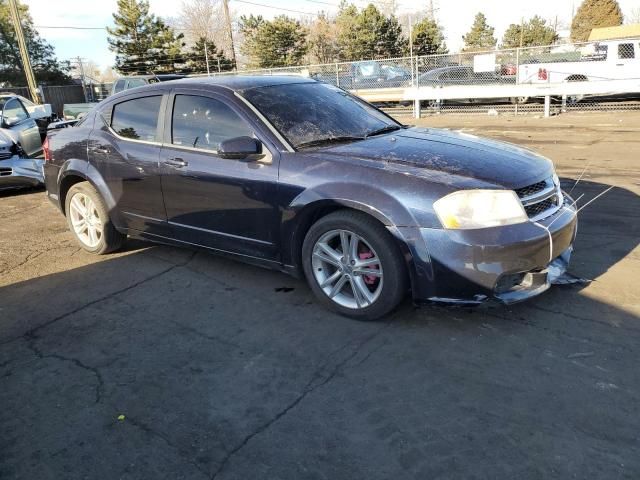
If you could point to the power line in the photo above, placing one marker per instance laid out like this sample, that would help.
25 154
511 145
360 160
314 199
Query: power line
66 27
276 8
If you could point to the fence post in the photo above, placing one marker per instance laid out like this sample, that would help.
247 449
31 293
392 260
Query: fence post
547 106
337 75
517 65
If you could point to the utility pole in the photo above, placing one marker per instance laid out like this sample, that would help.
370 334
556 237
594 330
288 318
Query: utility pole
227 19
410 36
206 56
84 85
521 30
24 53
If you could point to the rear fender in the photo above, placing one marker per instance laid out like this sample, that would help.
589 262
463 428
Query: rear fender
82 169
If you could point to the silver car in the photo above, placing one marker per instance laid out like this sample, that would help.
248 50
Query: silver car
20 143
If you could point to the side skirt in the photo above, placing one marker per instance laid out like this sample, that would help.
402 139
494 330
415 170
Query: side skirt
258 262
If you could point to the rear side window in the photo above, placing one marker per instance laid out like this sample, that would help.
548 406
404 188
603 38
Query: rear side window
14 112
119 86
626 50
203 122
137 118
136 82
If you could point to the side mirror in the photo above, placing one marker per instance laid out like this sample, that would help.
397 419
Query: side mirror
239 147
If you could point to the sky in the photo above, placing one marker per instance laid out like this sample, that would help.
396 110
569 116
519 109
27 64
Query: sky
456 17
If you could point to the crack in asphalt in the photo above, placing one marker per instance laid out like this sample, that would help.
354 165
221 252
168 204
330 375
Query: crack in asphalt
78 363
558 331
150 431
207 336
32 256
309 388
33 332
17 212
582 319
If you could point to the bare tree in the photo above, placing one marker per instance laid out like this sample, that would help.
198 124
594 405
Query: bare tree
386 7
634 16
108 75
202 19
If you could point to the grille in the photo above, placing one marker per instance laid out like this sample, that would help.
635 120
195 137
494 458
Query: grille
5 172
545 199
537 208
5 155
531 189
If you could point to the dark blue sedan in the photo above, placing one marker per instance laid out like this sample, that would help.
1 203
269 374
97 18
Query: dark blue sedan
303 177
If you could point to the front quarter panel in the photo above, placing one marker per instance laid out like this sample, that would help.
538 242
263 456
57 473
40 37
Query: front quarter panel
309 181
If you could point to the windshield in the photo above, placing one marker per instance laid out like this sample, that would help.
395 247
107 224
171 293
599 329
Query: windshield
308 114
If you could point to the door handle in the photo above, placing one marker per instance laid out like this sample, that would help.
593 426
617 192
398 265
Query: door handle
176 162
104 150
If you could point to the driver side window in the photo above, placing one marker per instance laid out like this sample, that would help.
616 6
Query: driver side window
203 122
14 112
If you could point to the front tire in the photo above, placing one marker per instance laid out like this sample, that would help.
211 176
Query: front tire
88 220
354 266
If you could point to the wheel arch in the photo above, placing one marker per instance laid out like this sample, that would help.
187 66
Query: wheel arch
75 171
308 215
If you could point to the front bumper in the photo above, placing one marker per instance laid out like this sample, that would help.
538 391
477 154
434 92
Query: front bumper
507 264
17 172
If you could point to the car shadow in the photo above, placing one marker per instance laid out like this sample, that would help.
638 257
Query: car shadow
17 192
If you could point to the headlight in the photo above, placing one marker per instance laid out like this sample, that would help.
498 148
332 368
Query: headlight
468 209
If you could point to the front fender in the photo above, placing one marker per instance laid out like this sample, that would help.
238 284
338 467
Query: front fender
377 203
304 209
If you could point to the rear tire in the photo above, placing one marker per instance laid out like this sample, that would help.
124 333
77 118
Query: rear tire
88 220
368 280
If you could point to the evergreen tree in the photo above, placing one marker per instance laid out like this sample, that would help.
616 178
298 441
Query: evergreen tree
46 68
198 55
480 37
533 33
281 42
368 34
143 43
594 14
249 26
428 38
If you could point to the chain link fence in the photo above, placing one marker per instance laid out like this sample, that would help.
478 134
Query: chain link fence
472 82
385 81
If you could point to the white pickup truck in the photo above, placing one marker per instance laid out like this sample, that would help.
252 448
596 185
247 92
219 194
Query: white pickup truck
604 60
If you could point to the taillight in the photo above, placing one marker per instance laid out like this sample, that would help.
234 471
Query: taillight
45 150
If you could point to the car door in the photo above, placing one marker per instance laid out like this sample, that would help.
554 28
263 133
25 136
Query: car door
221 203
16 118
124 147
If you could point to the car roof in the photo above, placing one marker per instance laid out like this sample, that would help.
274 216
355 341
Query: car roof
237 83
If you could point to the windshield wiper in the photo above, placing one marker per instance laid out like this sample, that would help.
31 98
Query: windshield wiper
388 128
329 140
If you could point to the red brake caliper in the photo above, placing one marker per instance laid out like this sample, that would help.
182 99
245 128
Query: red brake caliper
364 255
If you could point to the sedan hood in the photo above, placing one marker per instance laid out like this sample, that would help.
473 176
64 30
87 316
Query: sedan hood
432 152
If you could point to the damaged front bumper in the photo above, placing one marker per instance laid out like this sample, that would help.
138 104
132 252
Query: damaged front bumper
506 264
19 172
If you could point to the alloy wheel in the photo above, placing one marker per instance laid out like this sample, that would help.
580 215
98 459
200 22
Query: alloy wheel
347 269
85 220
